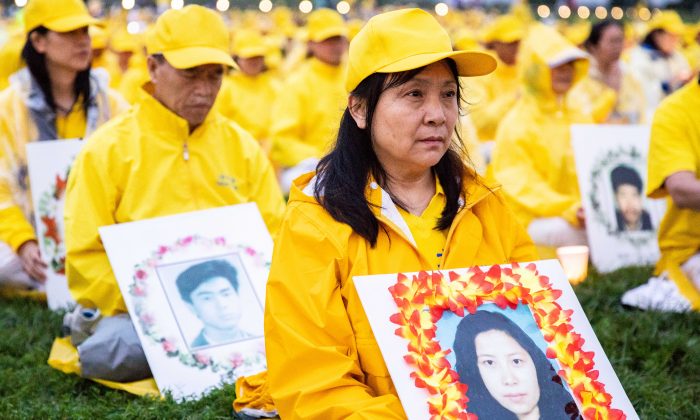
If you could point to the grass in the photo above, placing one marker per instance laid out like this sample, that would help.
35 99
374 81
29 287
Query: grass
656 356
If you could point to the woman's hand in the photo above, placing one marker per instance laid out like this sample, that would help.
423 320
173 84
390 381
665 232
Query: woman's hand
32 263
581 217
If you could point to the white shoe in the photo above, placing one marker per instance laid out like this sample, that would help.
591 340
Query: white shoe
658 294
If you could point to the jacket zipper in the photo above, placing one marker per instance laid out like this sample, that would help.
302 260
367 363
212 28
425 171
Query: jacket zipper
185 152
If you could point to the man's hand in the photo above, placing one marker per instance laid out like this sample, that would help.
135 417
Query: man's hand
32 263
581 217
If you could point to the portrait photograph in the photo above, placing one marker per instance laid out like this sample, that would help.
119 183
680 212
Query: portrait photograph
194 285
492 342
500 354
212 300
621 222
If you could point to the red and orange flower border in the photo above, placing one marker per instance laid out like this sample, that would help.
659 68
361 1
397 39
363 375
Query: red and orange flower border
422 299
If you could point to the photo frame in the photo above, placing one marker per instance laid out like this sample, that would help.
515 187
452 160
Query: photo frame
194 285
406 312
49 164
621 223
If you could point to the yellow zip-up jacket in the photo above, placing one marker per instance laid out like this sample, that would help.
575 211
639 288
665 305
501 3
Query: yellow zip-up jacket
306 116
323 360
533 158
146 164
674 147
17 129
249 101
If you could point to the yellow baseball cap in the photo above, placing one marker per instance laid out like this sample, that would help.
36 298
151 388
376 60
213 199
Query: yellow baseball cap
190 37
403 40
507 28
57 15
248 43
324 24
669 21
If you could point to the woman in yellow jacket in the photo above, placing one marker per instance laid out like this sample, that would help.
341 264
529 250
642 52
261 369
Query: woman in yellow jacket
533 158
393 195
56 96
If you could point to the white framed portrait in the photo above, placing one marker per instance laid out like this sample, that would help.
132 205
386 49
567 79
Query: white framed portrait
491 342
621 223
49 164
194 285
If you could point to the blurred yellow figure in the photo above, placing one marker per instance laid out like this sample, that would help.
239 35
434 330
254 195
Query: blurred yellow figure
691 50
56 96
307 112
657 62
533 158
248 100
497 92
102 57
610 93
11 56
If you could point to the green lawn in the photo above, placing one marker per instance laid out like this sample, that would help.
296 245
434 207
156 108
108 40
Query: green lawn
656 356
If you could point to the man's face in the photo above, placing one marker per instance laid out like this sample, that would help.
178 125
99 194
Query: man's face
217 304
507 51
190 93
331 50
629 201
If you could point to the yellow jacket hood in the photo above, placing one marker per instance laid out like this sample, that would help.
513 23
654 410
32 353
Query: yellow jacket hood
544 49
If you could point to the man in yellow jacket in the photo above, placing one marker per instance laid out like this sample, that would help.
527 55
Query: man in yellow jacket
533 158
306 115
169 154
674 173
499 90
253 88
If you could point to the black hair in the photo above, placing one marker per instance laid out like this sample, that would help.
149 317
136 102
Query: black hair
195 275
624 175
36 63
650 39
597 32
344 172
555 402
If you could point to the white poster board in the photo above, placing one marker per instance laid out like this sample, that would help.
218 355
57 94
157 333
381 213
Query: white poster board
194 285
621 223
423 321
49 163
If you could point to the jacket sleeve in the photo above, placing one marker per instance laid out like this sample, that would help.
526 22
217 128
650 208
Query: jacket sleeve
91 201
517 168
287 131
15 229
313 365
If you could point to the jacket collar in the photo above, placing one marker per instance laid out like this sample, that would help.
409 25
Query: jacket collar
384 208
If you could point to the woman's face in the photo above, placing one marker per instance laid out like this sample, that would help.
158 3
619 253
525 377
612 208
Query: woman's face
67 50
667 41
508 373
413 123
563 78
610 44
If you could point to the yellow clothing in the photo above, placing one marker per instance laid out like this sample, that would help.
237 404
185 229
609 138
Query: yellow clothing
249 103
494 95
146 164
307 113
674 147
593 97
533 158
132 81
323 359
17 129
109 62
11 57
429 241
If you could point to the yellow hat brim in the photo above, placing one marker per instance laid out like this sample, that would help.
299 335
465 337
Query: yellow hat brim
469 63
249 52
185 58
71 23
329 33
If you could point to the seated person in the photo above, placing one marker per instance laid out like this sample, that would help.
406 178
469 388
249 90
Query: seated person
210 290
627 187
533 158
169 154
674 173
